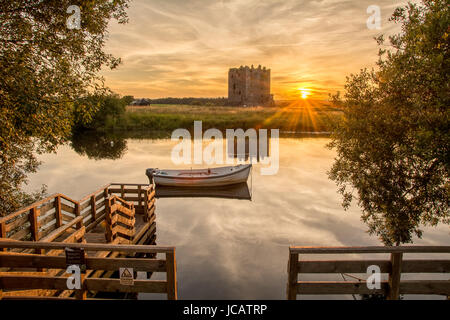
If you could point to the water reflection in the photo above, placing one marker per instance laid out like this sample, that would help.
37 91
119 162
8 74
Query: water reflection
237 191
99 146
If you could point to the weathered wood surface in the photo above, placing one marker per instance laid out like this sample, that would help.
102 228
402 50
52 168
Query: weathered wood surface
83 224
393 267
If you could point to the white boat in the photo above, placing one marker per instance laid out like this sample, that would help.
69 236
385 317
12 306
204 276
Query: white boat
211 177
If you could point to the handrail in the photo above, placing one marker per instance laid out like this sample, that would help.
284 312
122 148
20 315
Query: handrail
94 192
375 249
57 232
27 208
87 246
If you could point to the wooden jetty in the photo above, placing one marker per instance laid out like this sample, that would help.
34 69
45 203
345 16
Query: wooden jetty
394 268
116 228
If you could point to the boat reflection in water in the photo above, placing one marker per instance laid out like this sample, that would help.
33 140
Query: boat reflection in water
235 191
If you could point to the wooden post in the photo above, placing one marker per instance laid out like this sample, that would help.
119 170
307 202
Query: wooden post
3 233
58 215
171 269
140 197
34 224
108 218
292 276
77 214
93 209
395 276
145 212
122 192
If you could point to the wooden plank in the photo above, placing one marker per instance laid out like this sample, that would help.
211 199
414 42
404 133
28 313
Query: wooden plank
144 229
17 223
150 213
46 220
100 196
119 221
21 234
50 227
360 266
27 208
372 249
76 236
148 234
96 222
35 298
342 266
439 287
67 217
152 195
102 189
113 285
67 208
425 266
32 282
86 246
56 233
292 276
85 204
171 270
47 207
338 287
126 190
395 275
122 231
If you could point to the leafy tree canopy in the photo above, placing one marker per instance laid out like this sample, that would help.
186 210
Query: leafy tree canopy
393 141
44 67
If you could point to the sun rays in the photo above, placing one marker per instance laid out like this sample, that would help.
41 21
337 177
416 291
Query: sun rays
301 115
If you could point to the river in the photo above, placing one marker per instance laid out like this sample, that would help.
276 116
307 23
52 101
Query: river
226 248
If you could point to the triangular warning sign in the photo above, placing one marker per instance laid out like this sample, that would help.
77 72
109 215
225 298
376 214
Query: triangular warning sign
126 276
126 273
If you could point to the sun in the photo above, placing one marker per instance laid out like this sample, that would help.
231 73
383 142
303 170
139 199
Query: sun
304 92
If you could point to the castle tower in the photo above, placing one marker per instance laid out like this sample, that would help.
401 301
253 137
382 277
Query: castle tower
249 86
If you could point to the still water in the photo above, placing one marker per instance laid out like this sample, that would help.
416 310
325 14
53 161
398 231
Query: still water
226 248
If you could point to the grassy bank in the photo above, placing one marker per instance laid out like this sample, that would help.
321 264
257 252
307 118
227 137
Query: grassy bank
299 116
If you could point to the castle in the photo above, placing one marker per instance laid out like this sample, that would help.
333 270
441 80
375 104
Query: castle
249 86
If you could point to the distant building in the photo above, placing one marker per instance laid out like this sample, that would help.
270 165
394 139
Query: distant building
249 86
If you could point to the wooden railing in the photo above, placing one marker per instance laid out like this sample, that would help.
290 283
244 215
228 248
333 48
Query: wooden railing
13 284
141 195
44 217
394 267
120 220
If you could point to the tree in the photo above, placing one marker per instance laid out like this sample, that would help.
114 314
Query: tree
393 140
106 111
128 100
44 67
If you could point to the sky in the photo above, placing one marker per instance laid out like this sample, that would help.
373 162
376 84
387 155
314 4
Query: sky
184 48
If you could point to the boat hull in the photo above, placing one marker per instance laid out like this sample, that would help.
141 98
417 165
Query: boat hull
218 177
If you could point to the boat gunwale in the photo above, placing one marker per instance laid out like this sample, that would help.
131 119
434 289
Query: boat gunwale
245 167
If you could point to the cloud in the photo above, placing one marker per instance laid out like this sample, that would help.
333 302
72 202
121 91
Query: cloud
185 47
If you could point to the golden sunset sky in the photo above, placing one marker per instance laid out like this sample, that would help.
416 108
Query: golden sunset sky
184 48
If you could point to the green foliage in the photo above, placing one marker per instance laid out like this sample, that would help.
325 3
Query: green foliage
393 141
44 67
105 111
